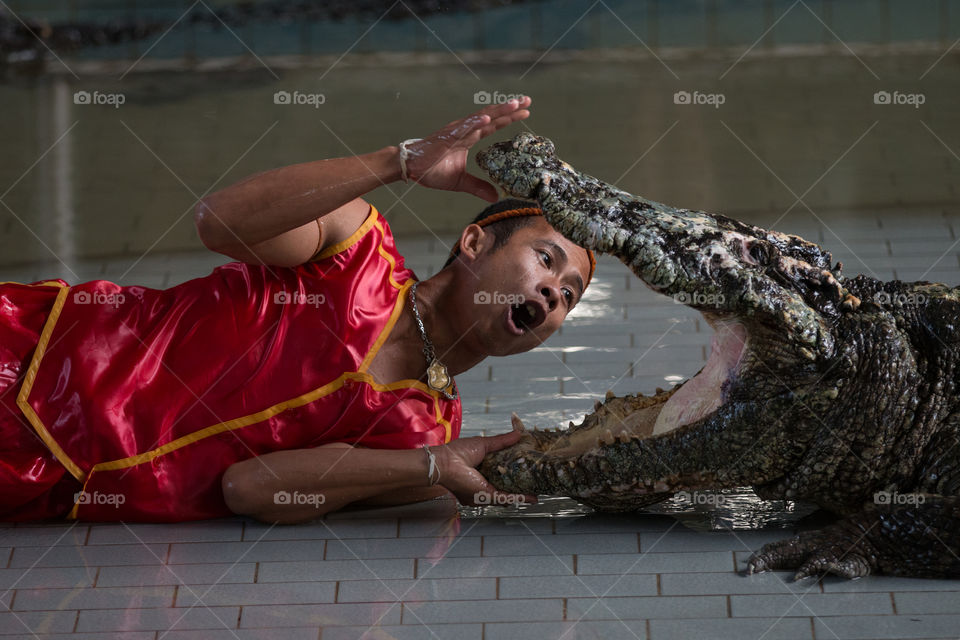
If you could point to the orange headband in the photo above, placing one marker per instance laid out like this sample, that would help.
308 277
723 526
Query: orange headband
519 213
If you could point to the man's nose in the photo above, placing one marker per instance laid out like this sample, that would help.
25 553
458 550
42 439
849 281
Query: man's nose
551 295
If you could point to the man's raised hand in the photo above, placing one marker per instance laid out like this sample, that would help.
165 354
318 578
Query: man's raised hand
439 161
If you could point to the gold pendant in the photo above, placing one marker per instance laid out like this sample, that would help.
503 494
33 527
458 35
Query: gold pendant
437 377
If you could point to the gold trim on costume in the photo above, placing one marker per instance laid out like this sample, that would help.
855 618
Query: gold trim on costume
343 245
41 283
266 414
28 380
387 328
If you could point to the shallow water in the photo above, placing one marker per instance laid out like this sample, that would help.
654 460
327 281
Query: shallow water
729 509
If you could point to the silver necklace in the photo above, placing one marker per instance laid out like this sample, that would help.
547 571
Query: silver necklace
438 378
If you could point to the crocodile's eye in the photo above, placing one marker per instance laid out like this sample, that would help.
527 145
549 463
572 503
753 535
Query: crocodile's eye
759 253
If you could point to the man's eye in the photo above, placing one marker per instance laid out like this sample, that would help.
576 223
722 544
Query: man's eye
546 257
569 295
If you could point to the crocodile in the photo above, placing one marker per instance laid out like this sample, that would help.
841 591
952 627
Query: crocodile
834 390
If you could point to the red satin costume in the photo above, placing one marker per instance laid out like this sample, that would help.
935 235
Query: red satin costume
150 394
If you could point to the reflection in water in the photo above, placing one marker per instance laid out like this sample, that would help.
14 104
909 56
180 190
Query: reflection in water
738 509
546 507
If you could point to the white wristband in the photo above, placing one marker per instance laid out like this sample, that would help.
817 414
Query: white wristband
431 466
404 154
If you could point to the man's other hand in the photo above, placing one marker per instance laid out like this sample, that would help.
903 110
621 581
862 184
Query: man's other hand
458 461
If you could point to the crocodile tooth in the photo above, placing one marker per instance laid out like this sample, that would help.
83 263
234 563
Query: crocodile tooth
610 395
517 422
608 437
502 470
597 405
624 437
571 424
572 464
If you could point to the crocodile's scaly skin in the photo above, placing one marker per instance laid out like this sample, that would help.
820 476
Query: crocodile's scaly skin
845 393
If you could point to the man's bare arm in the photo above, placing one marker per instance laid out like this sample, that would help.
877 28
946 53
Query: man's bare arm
329 477
282 216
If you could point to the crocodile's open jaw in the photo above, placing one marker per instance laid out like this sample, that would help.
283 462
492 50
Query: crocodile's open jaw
769 297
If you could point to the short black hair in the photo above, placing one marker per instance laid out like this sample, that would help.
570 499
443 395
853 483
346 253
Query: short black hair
502 229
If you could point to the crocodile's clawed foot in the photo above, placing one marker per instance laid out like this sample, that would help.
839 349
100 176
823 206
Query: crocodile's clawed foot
813 554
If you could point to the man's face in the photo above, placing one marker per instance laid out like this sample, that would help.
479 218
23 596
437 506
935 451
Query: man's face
526 288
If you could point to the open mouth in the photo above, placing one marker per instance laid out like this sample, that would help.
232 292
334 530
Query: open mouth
525 316
687 403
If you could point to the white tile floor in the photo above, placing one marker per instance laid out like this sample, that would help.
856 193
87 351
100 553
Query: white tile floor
422 571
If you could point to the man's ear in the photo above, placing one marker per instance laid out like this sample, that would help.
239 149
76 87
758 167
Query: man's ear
473 242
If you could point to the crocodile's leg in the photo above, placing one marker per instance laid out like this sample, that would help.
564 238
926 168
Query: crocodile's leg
919 540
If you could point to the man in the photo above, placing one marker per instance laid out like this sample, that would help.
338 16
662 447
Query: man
311 390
